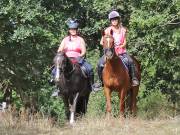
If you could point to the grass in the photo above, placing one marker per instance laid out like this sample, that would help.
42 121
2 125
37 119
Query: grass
88 125
155 117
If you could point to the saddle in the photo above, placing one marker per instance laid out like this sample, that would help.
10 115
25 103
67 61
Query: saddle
83 69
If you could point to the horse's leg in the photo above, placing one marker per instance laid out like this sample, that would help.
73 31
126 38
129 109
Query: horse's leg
107 93
73 108
134 100
122 95
86 99
79 106
66 106
128 102
83 105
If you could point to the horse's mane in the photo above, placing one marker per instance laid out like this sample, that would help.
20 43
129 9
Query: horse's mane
70 64
57 55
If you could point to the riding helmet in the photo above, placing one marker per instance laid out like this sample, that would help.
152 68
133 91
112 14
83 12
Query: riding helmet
113 14
72 24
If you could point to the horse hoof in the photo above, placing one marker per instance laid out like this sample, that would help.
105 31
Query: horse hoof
72 123
108 116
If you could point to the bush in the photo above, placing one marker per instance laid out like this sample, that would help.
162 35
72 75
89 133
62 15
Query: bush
51 107
97 104
154 105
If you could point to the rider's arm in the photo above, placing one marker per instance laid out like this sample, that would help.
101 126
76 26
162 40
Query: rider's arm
101 42
61 47
83 47
124 44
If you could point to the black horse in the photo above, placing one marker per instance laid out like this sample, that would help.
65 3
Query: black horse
73 84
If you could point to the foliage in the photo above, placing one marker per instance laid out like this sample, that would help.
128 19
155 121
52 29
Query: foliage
97 104
155 105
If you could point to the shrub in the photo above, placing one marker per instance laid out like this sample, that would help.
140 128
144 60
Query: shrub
154 105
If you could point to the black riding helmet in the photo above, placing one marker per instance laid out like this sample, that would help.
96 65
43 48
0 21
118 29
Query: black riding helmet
72 24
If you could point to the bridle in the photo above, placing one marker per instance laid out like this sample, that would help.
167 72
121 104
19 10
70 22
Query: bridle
60 68
109 49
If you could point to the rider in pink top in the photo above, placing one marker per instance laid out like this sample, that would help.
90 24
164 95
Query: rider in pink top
72 48
119 39
75 48
119 34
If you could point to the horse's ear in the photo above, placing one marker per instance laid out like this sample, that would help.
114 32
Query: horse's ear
60 53
111 32
102 32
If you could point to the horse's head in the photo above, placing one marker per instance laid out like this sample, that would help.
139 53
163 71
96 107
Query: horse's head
60 62
108 45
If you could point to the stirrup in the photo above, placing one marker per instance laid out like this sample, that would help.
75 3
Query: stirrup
135 82
51 82
55 93
96 87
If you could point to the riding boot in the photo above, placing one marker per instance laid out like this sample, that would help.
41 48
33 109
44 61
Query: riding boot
94 86
135 81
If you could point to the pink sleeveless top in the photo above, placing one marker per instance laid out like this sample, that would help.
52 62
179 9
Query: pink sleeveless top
119 40
72 48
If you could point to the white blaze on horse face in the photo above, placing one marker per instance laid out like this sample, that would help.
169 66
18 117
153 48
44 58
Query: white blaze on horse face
57 70
108 40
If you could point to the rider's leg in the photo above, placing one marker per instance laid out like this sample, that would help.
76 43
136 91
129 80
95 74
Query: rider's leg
134 79
99 70
125 60
90 75
100 67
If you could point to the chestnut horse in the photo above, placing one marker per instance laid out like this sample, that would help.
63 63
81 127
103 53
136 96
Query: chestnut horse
116 77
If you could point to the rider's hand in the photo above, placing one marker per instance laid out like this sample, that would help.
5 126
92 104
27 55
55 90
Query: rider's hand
122 46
